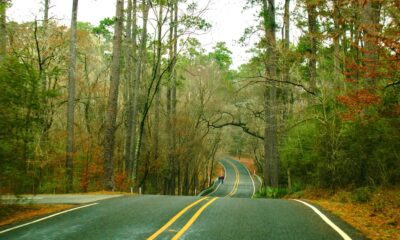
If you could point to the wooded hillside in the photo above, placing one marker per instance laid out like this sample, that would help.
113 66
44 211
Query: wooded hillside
137 102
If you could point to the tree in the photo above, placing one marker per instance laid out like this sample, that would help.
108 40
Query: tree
132 88
312 33
171 99
111 116
271 169
19 107
136 150
71 100
221 55
370 17
157 70
46 13
3 35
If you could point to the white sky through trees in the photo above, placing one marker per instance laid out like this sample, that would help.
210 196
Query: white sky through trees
227 17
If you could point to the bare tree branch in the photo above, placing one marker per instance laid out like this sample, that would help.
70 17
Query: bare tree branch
266 79
241 125
392 84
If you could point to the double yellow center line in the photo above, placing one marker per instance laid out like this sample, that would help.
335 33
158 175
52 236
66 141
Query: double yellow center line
179 214
237 180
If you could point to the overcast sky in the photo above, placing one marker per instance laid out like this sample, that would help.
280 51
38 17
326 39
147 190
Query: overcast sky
226 16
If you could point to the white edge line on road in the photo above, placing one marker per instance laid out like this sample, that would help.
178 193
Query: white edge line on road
225 173
254 186
219 162
326 219
42 219
219 184
260 180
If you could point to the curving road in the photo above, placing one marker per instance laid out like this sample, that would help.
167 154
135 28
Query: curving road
238 181
227 213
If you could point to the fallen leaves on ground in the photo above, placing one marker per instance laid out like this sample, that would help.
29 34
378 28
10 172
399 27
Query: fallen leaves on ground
379 218
15 213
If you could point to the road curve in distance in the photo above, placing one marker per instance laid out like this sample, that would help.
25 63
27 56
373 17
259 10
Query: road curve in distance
238 181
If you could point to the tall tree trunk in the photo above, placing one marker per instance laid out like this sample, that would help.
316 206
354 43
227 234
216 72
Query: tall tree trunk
271 170
44 80
336 40
71 100
3 35
158 75
312 33
130 71
171 97
286 22
169 103
370 30
111 117
135 93
173 93
139 76
286 66
46 13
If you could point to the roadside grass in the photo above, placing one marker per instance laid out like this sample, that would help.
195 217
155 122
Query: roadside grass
10 214
374 212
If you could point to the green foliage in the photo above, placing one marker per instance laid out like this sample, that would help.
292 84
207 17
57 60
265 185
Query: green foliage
20 104
195 22
271 192
104 29
5 4
194 49
338 153
85 26
221 55
362 195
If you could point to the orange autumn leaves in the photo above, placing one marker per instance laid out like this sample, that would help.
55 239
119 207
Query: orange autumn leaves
357 102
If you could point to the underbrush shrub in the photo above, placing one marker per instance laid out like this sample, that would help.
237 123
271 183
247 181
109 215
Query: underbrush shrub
270 192
343 197
362 195
297 194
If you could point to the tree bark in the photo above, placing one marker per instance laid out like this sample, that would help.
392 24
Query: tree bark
173 94
139 75
158 93
286 23
135 93
111 116
169 105
171 98
336 40
71 100
286 66
312 33
130 70
3 35
370 31
46 13
271 170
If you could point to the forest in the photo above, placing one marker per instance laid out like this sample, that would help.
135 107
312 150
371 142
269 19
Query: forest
137 102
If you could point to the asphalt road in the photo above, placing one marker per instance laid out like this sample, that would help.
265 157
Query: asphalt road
238 181
228 213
